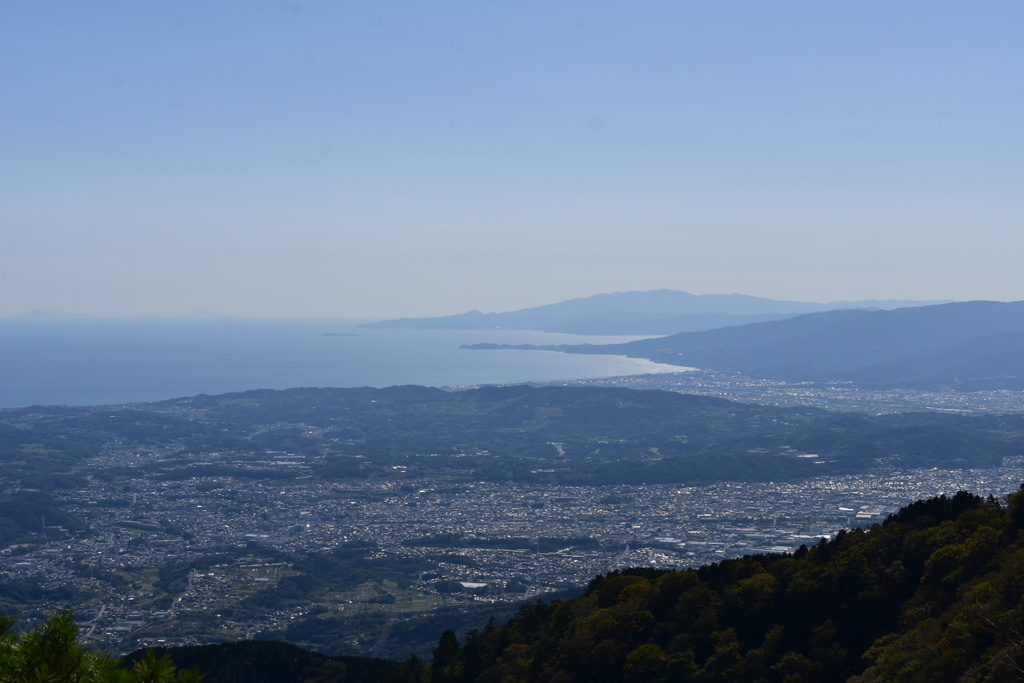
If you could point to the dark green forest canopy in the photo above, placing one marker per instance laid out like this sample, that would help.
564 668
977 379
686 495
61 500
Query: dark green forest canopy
51 653
272 662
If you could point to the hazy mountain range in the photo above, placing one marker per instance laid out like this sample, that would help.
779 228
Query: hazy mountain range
661 311
969 345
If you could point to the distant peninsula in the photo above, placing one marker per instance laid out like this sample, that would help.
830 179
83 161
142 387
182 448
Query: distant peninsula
970 345
657 312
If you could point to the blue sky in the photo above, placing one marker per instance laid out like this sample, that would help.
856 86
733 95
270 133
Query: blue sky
424 158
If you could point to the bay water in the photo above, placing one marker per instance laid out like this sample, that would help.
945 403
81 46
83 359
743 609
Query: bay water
115 361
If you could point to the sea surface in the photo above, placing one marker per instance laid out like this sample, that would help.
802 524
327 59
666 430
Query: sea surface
115 361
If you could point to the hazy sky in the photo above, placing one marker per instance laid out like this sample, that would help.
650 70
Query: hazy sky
432 156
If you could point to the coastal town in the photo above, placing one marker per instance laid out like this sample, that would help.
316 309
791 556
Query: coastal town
846 396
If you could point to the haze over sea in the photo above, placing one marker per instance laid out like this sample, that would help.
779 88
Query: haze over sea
113 361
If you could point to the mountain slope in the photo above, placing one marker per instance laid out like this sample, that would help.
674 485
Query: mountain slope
272 662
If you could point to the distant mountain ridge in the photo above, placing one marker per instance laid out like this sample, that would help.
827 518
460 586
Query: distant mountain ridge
971 344
661 311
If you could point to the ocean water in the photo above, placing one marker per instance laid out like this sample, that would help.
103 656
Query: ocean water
113 361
